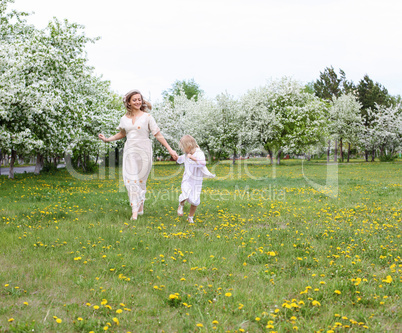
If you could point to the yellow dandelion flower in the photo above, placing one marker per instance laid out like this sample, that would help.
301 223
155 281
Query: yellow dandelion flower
96 307
26 303
119 311
228 294
116 321
388 279
215 322
200 325
80 319
316 303
11 320
58 320
337 292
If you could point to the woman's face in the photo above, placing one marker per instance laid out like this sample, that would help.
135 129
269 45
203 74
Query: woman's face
136 101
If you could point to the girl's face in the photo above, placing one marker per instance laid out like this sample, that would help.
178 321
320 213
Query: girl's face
136 102
190 150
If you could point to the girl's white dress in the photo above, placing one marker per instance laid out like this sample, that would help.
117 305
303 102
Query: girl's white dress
137 156
194 172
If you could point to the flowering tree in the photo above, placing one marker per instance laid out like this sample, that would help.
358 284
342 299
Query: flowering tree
385 132
215 124
51 103
388 124
283 117
225 127
370 95
345 120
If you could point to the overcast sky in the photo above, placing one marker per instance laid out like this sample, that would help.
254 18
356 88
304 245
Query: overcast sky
232 46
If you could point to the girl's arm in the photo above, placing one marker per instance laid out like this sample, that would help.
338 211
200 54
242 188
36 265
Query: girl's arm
115 137
200 161
181 159
164 143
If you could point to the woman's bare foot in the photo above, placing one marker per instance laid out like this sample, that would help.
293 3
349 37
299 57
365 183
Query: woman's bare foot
134 216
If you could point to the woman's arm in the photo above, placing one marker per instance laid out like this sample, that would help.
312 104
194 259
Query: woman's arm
164 143
115 137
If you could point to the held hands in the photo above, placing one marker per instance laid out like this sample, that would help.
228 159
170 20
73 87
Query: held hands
174 155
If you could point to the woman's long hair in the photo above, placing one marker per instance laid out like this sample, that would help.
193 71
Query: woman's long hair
127 97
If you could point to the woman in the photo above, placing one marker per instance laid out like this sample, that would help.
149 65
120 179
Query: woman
136 124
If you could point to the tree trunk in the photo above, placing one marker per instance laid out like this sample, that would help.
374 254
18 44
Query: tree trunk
84 163
270 156
382 148
13 157
39 163
328 150
341 148
278 157
336 151
373 155
116 156
348 151
234 156
366 155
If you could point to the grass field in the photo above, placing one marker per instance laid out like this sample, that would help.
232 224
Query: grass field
268 252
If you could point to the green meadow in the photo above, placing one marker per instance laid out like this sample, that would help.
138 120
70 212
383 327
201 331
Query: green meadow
273 249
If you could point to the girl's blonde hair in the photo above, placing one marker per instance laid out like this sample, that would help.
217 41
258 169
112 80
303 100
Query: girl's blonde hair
188 144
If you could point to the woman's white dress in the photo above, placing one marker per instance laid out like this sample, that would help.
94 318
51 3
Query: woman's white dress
137 156
194 173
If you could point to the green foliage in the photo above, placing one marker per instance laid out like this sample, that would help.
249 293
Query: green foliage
84 163
190 88
388 157
329 84
48 167
371 94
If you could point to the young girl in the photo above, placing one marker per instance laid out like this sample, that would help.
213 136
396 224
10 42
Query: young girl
194 171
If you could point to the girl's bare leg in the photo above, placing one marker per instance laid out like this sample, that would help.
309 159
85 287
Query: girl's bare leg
192 210
180 208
